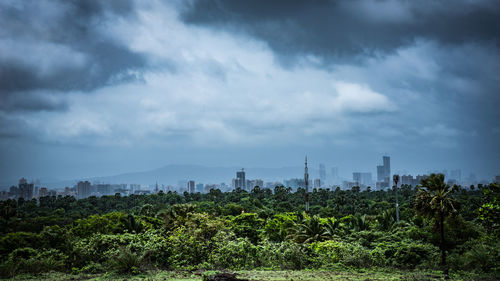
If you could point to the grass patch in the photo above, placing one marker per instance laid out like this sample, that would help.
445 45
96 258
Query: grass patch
268 275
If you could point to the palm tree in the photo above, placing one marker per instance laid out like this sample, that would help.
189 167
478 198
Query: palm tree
386 219
434 201
359 223
307 230
332 227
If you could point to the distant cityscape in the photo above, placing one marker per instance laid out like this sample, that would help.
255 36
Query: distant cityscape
363 180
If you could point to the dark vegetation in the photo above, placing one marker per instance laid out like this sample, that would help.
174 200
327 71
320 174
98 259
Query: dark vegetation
440 227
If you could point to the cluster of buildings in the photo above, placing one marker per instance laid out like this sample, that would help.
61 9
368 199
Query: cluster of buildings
364 179
84 189
32 190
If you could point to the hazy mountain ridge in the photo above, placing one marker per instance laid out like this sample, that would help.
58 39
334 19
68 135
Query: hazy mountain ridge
172 174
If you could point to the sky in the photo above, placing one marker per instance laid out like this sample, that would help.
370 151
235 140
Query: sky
96 88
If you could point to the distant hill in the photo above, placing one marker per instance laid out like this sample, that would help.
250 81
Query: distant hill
172 174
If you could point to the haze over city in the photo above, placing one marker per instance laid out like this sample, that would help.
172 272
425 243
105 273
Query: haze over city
99 88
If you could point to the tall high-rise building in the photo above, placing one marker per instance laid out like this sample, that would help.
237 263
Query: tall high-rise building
134 186
317 183
200 187
295 183
240 179
356 177
253 183
387 165
83 189
43 192
104 189
322 173
335 175
384 173
26 189
362 179
190 186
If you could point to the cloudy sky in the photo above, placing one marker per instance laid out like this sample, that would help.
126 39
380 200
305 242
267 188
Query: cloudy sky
94 88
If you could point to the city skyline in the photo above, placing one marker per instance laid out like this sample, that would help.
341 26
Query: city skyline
359 179
100 88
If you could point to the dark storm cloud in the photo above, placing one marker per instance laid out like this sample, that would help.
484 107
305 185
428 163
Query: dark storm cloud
342 28
67 38
32 101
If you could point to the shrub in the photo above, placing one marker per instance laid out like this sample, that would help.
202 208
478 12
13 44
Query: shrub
90 268
285 255
111 223
239 253
276 229
477 255
247 225
8 269
348 254
192 243
15 240
128 261
412 254
29 260
405 254
101 247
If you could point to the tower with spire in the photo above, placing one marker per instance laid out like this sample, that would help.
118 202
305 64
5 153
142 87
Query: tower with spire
306 180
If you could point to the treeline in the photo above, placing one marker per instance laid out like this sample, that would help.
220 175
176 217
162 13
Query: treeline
261 228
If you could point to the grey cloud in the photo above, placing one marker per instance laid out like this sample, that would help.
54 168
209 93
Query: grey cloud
75 27
334 29
32 101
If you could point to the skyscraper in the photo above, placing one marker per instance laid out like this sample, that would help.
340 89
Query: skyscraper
26 189
387 166
240 179
317 183
384 173
356 178
83 189
190 186
335 175
322 173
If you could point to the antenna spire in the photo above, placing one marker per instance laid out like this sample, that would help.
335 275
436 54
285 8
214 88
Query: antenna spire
306 180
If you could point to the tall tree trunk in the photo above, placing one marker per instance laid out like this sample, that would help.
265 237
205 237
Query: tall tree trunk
442 246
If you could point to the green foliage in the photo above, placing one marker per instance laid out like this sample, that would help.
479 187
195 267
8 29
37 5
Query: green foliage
128 261
246 230
489 212
386 219
349 254
232 209
247 225
29 260
477 255
106 224
192 242
308 230
101 248
238 253
405 254
16 240
91 268
287 255
434 200
276 229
